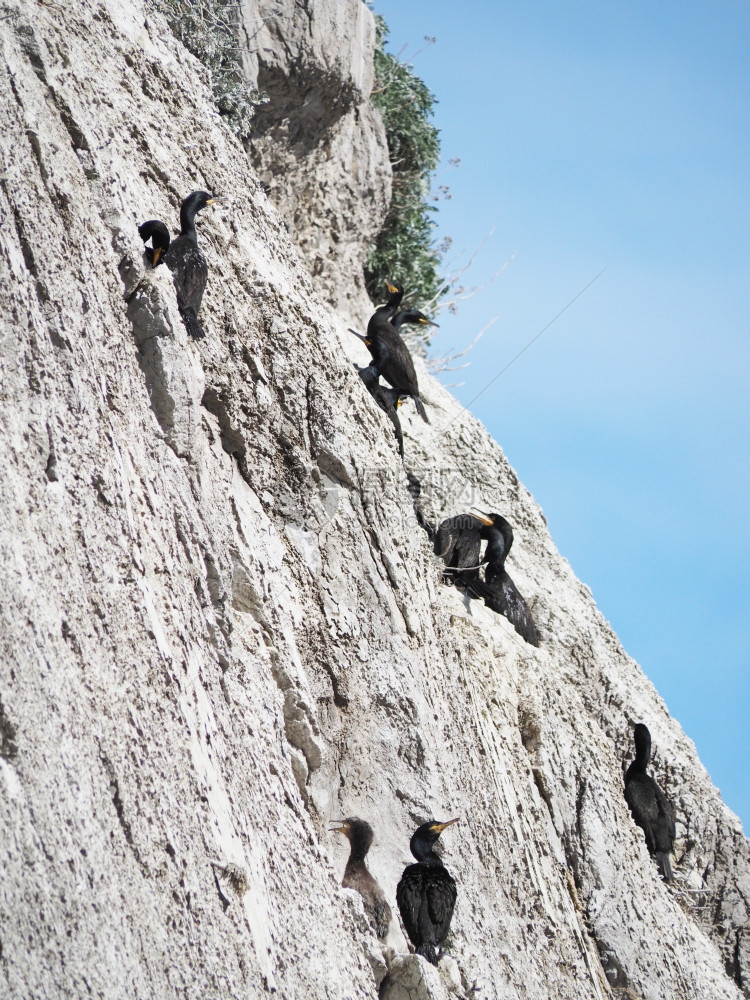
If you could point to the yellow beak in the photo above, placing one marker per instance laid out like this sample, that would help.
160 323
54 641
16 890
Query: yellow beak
441 826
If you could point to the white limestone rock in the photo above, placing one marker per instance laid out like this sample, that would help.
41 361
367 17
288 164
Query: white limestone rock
222 625
319 144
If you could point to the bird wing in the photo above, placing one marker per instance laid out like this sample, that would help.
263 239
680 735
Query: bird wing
398 368
409 899
654 814
466 551
666 820
641 797
444 539
458 541
382 913
380 354
441 899
189 272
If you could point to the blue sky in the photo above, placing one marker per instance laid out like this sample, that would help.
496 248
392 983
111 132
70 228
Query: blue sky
614 133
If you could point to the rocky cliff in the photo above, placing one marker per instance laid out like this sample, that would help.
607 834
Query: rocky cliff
223 627
319 144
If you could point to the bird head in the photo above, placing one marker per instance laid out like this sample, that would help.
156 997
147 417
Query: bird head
157 232
642 738
395 294
425 836
357 831
488 520
198 200
499 525
411 316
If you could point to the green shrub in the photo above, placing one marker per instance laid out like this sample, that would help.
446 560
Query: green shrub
209 29
403 250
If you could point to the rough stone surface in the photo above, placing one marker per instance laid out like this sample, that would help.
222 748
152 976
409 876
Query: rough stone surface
223 627
319 144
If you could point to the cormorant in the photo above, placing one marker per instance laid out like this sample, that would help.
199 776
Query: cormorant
458 542
426 893
389 399
498 590
157 232
651 809
391 357
188 265
357 875
395 294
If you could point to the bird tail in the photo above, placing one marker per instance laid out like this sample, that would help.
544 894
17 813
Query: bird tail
421 410
506 601
192 323
475 587
429 952
665 866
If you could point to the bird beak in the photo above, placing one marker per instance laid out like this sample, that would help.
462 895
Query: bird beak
391 288
428 322
441 826
216 198
361 337
481 516
157 255
344 828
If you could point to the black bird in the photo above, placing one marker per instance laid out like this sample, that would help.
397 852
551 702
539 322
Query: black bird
157 232
188 265
651 809
426 894
391 357
357 875
458 542
387 399
497 589
384 313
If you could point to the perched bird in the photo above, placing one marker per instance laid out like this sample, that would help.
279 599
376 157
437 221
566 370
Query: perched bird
357 875
157 232
497 589
387 399
184 258
458 542
426 894
391 357
651 809
384 314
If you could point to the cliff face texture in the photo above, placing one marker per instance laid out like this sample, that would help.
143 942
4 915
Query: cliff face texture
319 145
223 627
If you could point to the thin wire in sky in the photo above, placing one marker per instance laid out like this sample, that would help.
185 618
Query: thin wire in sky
523 349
